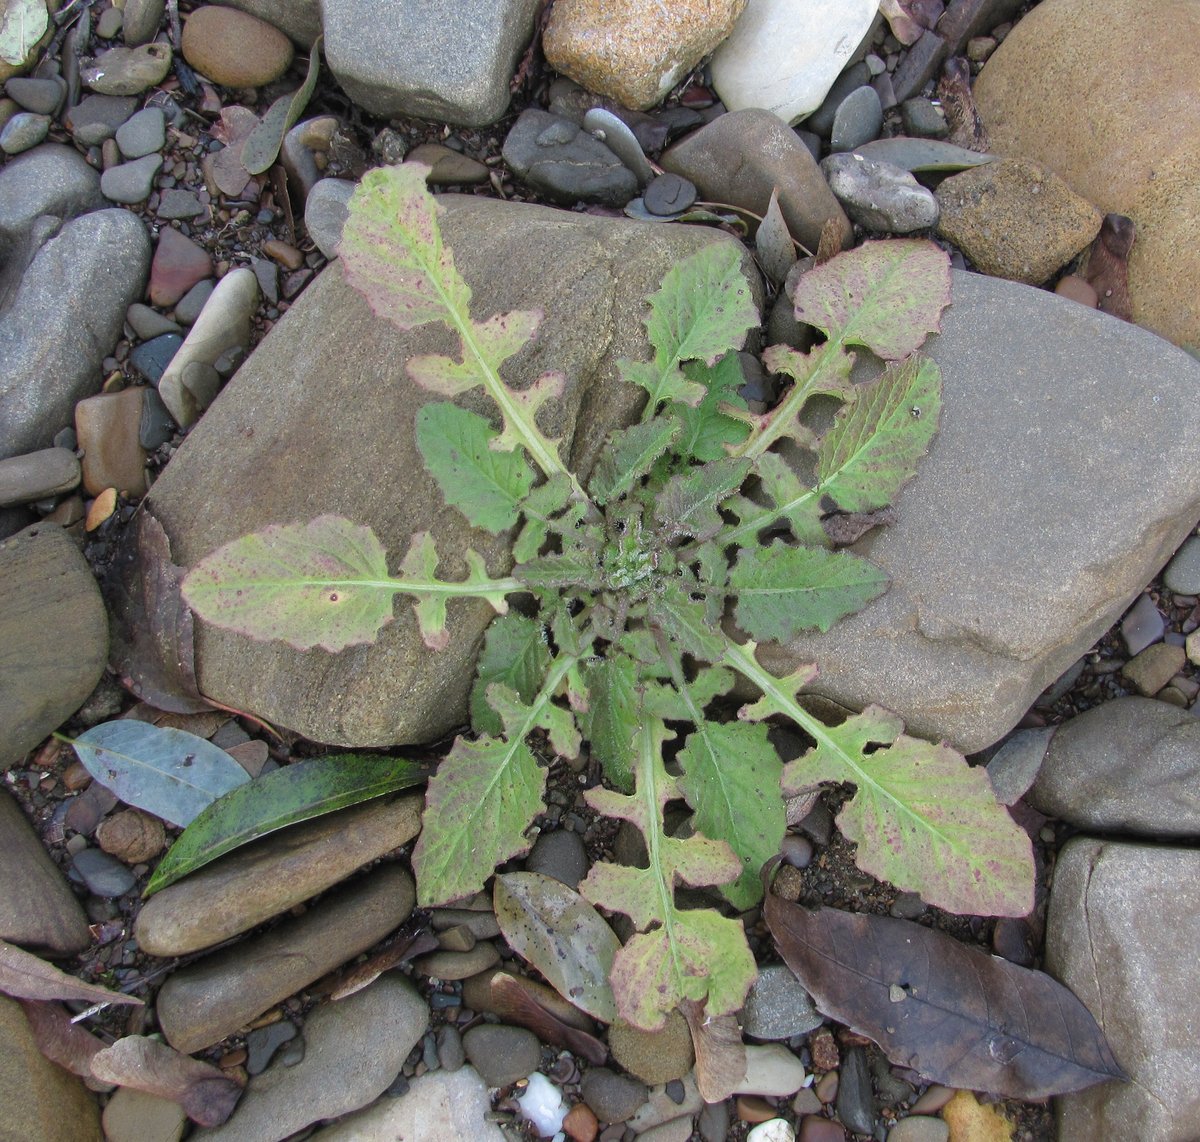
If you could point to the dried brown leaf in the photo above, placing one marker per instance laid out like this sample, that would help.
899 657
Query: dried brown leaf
514 1001
720 1052
1107 265
24 976
60 1040
773 243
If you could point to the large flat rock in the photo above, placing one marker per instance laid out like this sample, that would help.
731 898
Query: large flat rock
320 419
1062 479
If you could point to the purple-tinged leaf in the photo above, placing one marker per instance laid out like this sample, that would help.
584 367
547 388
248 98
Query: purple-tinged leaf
261 147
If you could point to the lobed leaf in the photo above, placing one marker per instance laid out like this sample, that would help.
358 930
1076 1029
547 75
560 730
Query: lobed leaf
707 427
611 722
516 654
782 590
685 623
295 793
688 503
630 454
788 500
540 508
486 485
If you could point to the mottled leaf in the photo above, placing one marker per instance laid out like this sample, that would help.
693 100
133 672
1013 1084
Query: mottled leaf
706 427
629 455
170 773
781 590
485 484
684 621
954 1014
25 976
885 295
540 509
562 935
611 718
688 503
773 246
22 24
515 653
295 793
262 145
788 501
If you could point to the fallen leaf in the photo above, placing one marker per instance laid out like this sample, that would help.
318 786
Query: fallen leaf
25 976
22 24
60 1040
720 1052
1107 265
845 528
958 104
514 1001
224 168
773 243
262 145
405 946
951 1012
206 1094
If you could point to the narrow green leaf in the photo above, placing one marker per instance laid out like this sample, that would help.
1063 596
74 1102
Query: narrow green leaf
570 569
285 797
684 621
516 654
887 296
262 144
170 773
486 485
782 590
688 503
630 454
611 719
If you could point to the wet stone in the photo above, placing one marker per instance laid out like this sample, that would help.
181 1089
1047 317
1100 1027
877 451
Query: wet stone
612 1097
1142 626
565 163
37 476
179 204
103 874
855 1100
151 358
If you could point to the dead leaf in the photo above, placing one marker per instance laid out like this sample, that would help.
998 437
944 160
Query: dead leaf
24 976
958 104
206 1094
60 1040
911 19
224 168
773 243
720 1052
829 244
951 1012
403 947
845 528
1107 265
518 1003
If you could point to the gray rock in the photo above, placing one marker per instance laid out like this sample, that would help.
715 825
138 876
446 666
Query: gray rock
144 133
855 1098
851 79
450 1052
66 315
1123 923
189 307
157 424
142 18
97 118
300 19
992 598
858 120
1143 625
128 71
436 1107
131 183
458 965
741 157
152 357
924 119
148 323
104 875
778 1007
37 476
41 96
501 1054
1014 767
37 908
263 1042
325 213
772 1071
612 1097
559 854
1127 766
1183 572
177 204
461 75
922 154
878 196
585 273
53 636
203 1002
23 132
355 1048
566 163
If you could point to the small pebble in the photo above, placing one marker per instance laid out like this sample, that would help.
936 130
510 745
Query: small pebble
1182 576
1077 289
668 194
1150 670
458 965
778 1007
450 1053
151 358
924 119
104 875
143 134
858 120
753 1108
41 96
772 1130
131 183
613 1097
263 1042
561 855
1142 625
108 27
917 1128
501 1054
23 132
179 204
157 426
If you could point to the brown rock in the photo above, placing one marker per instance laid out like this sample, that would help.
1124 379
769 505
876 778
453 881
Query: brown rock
202 1003
653 1056
235 49
107 427
581 1124
458 965
37 475
269 876
1077 289
177 266
1151 669
1015 219
132 836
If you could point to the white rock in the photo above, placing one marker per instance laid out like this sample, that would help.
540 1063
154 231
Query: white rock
783 55
542 1105
773 1130
771 1070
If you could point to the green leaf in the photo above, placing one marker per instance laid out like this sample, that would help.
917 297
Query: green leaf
706 428
170 773
922 818
516 654
486 485
874 446
540 508
630 454
285 797
262 144
885 295
22 24
782 590
787 498
570 569
552 927
687 504
694 954
611 719
684 621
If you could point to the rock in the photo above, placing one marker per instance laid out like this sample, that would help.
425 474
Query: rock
1182 575
132 836
965 19
447 167
151 358
668 1102
177 204
858 120
37 476
107 427
234 49
1014 766
54 635
224 323
53 180
632 51
739 158
108 27
41 96
985 612
189 307
436 1106
653 1056
23 132
1127 766
784 57
246 887
778 1007
300 19
1142 626
1037 96
130 183
559 854
203 1002
325 213
924 119
148 323
37 908
355 1048
1015 220
612 1097
470 51
104 875
128 71
771 1070
1122 920
501 1054
584 273
133 1116
820 122
97 118
178 265
673 1130
141 21
458 965
919 1128
451 1055
42 1102
918 66
263 1042
142 134
1151 669
855 1099
878 196
566 163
